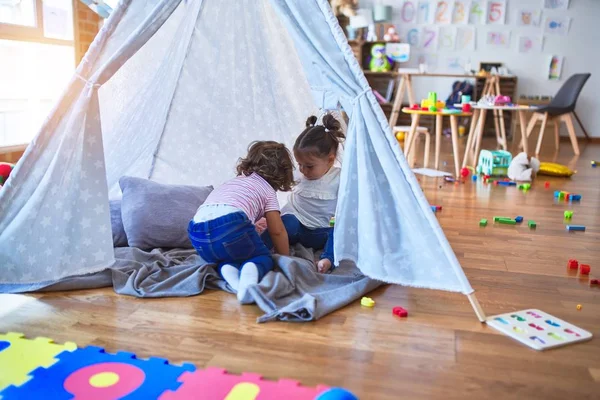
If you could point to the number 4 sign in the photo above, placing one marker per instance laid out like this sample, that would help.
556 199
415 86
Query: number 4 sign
496 12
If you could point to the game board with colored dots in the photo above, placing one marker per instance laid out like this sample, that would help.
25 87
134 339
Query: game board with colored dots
40 368
537 329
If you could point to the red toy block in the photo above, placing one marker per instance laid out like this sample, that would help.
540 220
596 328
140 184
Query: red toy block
546 184
415 107
466 107
595 282
584 269
399 311
438 208
572 264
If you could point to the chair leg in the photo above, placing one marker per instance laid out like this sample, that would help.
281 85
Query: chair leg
571 129
556 132
541 136
532 121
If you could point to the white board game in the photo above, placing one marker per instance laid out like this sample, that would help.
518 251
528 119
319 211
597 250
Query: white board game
537 329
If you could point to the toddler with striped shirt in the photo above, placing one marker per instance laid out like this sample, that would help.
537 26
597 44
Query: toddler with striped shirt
223 231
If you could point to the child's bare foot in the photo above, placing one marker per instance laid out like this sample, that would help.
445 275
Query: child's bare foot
323 265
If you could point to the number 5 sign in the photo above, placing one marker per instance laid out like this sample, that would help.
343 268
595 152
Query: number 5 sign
496 12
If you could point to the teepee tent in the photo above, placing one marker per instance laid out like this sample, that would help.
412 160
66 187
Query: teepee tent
174 91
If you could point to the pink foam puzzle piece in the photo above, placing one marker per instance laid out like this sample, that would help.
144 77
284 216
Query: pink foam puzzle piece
218 384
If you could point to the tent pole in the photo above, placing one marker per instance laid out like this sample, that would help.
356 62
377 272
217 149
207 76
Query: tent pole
476 307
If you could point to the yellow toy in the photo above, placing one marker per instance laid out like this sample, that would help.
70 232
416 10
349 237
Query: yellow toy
553 169
400 135
367 302
579 307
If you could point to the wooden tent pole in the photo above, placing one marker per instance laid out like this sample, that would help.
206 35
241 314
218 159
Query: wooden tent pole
477 307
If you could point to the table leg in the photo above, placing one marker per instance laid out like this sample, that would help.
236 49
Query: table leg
438 139
411 135
504 143
523 131
410 91
497 126
480 127
454 129
471 136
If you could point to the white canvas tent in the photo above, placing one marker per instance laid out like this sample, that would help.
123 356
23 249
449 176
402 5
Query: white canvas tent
174 91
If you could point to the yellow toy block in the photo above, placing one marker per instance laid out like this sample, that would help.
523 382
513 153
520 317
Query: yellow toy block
20 356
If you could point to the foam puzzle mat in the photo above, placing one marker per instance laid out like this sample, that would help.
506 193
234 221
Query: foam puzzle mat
39 368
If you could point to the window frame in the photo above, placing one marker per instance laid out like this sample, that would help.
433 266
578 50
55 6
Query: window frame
35 33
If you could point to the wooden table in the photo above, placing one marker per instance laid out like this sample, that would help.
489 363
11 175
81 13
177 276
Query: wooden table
412 134
478 123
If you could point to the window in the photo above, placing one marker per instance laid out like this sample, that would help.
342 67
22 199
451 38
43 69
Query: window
37 60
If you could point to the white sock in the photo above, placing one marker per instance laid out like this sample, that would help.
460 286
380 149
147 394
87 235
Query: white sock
231 275
248 277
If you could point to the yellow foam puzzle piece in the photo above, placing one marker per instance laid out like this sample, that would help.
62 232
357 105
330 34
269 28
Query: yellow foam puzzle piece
24 355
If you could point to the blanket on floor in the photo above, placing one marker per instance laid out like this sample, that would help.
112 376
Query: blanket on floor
294 291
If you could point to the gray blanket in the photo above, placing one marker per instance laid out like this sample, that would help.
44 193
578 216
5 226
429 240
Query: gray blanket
294 291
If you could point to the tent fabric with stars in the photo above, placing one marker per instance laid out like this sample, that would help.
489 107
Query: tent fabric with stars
174 91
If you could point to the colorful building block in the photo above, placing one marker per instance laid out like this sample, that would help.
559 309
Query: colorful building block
20 356
496 219
546 184
474 178
575 197
506 183
580 228
572 264
519 219
483 222
594 282
568 214
399 311
532 224
217 383
525 186
507 221
557 193
594 163
367 302
584 269
91 373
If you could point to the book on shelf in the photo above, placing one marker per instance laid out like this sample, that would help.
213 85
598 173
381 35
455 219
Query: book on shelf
379 97
390 90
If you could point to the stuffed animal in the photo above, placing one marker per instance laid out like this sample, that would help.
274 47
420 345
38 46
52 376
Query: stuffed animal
391 35
523 168
346 8
379 59
5 170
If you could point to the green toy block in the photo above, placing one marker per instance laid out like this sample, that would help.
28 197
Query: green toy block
568 214
507 221
531 224
483 222
525 186
497 219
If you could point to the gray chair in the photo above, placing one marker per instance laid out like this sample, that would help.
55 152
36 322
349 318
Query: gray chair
560 109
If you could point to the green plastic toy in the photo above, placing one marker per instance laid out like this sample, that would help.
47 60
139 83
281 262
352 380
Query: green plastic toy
493 162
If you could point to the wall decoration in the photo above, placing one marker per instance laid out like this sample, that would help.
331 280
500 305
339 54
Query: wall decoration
462 9
413 37
425 12
478 13
496 12
556 4
455 64
530 44
447 39
465 38
529 17
408 11
498 39
443 11
558 25
429 38
399 52
428 62
555 67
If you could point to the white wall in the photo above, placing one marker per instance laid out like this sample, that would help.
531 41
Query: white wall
581 49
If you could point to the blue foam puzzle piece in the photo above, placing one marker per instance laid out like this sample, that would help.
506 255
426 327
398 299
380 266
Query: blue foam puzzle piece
519 219
159 375
4 345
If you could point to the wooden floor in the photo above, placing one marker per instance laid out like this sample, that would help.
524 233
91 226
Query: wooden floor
440 351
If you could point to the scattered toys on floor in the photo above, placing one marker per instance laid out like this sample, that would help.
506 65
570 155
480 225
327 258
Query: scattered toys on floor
568 214
483 222
572 264
532 224
399 311
519 219
367 302
575 228
584 269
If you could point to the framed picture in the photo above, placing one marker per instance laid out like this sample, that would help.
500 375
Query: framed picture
487 66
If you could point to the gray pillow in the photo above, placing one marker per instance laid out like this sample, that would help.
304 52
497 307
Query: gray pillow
157 215
116 223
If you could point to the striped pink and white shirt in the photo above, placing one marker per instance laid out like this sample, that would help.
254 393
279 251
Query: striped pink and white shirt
251 194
